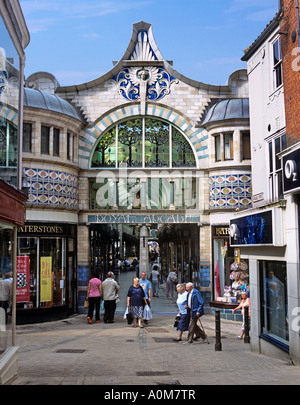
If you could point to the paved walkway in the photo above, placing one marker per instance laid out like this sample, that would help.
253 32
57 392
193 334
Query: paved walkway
72 352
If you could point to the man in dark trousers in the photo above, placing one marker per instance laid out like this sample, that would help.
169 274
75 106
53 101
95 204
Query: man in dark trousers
110 290
195 305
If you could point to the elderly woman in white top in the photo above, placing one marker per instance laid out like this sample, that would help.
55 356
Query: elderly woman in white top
183 324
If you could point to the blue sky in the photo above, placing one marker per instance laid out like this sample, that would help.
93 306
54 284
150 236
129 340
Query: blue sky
77 40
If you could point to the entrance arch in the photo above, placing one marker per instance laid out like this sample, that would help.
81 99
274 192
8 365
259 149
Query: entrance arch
89 137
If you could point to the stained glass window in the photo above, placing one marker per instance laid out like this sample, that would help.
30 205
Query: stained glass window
130 143
157 144
182 154
143 142
105 153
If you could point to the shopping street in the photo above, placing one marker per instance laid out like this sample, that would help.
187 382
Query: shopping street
72 352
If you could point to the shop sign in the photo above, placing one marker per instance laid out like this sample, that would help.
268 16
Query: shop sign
291 172
46 279
221 231
43 229
143 219
254 229
23 284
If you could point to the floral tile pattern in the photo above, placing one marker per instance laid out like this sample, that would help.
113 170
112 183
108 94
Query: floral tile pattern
230 191
48 187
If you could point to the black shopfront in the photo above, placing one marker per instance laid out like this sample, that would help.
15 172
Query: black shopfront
46 271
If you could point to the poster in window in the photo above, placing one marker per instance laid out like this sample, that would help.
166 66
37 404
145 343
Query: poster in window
23 286
46 279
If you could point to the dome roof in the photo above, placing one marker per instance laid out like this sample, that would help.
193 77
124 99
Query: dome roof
229 109
40 99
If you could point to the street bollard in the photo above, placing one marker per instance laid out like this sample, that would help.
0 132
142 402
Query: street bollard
218 345
247 325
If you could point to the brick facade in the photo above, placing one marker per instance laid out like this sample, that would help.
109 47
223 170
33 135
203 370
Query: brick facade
291 69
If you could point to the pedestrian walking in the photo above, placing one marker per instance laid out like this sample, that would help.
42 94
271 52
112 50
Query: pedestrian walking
146 286
195 304
5 294
184 313
110 290
155 280
94 294
170 283
136 302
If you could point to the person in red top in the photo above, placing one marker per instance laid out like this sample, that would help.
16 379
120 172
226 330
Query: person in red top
94 294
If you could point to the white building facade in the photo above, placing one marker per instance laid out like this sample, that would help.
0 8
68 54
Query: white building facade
267 234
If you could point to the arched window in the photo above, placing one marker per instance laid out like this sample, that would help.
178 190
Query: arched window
143 142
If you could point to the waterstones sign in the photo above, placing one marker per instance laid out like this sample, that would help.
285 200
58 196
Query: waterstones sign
143 219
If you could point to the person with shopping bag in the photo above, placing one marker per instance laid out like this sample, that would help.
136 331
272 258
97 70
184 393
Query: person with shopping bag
146 286
136 301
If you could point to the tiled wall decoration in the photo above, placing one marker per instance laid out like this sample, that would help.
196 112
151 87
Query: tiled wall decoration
230 191
54 188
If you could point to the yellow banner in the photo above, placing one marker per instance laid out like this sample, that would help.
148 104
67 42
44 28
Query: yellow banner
46 279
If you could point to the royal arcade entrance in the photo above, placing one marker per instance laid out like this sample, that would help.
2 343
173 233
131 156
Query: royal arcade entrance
143 188
172 240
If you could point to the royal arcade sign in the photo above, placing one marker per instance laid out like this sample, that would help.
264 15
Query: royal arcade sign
144 219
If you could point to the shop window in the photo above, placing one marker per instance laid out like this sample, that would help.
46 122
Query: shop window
274 309
275 146
27 137
277 63
45 276
56 139
45 140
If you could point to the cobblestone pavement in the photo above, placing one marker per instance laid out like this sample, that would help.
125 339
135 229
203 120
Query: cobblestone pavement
72 352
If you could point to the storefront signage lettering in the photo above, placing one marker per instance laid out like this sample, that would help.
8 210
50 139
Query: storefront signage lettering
143 219
222 231
291 178
44 229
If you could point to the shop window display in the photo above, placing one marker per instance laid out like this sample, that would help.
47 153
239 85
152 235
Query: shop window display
273 281
42 263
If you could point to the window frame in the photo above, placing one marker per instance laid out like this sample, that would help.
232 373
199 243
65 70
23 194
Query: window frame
45 140
277 63
275 167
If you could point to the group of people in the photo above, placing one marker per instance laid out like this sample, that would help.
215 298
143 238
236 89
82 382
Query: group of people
106 290
190 302
191 307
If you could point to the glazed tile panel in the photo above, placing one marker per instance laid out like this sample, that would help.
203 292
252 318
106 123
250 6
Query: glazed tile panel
54 188
230 191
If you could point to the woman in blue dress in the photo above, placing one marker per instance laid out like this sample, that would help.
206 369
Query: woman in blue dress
183 324
136 302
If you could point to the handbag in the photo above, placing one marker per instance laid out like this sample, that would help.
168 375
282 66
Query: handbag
86 303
